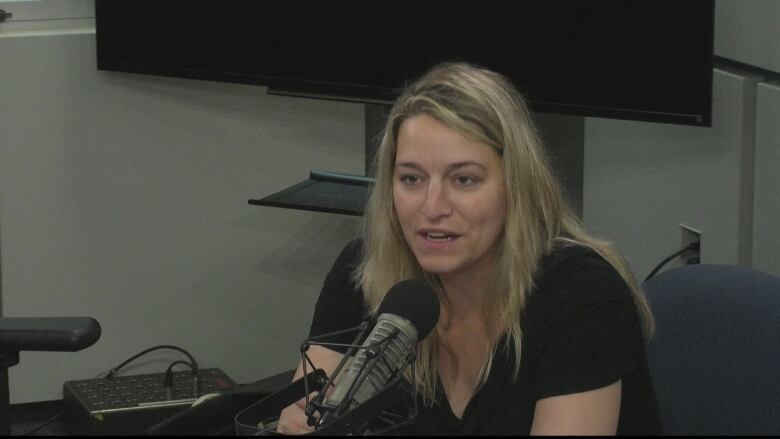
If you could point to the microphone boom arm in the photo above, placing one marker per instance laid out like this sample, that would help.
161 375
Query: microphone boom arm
317 402
355 421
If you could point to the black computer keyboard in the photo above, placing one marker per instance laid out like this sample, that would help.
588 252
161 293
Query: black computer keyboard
100 396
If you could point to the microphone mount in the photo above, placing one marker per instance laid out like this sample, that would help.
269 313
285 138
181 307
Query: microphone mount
370 417
373 350
327 412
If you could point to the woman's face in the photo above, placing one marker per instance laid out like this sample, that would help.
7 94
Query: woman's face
450 197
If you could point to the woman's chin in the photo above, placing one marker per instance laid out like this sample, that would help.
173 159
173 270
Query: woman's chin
438 267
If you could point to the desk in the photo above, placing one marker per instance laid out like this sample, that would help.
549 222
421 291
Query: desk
24 417
27 416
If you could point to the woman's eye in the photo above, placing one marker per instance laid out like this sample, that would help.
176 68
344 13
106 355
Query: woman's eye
465 180
409 179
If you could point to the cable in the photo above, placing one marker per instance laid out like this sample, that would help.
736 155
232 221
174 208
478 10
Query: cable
168 378
193 363
692 246
170 367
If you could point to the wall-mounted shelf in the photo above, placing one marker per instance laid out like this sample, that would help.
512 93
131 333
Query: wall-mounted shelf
333 192
328 192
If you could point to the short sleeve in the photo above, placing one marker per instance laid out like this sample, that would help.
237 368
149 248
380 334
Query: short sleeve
585 328
340 304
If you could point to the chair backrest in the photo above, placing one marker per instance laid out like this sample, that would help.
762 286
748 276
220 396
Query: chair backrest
715 357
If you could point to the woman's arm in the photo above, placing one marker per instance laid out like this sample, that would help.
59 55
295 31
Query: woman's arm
293 419
594 412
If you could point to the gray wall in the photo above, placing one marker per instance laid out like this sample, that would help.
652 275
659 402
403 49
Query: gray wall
643 180
124 197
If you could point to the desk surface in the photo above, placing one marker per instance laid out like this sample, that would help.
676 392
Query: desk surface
28 416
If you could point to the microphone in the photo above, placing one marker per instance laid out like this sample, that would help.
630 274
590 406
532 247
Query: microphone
407 315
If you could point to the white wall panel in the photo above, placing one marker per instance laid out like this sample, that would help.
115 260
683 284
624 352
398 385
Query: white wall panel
748 31
643 179
766 228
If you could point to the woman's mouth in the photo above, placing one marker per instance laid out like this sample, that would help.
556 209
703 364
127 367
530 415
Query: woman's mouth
439 236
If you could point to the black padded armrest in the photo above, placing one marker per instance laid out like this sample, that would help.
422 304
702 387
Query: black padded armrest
62 334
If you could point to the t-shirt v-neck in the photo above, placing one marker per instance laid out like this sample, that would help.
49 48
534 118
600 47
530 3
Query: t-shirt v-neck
476 409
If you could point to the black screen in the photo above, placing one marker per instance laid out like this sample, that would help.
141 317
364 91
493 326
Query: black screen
639 60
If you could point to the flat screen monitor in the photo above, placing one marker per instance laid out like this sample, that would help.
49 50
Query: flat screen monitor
625 59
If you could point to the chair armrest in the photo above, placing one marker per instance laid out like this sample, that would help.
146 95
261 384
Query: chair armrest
60 334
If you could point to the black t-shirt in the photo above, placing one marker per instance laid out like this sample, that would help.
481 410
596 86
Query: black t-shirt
581 331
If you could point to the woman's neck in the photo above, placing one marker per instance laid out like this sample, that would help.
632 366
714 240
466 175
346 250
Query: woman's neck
465 293
465 302
466 290
464 296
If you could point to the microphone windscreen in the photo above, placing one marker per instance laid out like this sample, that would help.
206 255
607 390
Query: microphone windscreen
415 301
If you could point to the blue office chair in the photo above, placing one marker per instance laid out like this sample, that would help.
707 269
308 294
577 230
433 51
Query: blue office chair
715 357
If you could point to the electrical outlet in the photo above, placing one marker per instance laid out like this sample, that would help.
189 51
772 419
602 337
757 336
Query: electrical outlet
689 235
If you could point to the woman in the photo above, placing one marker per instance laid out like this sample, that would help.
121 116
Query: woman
541 326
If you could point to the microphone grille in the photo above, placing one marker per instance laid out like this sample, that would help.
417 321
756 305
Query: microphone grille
414 300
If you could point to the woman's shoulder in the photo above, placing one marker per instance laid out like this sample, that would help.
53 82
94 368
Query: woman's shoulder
569 259
340 303
350 255
567 252
339 282
576 276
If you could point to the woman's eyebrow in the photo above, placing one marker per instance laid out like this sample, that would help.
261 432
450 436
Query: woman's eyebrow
412 165
451 167
458 165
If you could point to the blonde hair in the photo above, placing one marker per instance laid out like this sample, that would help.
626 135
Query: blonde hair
483 106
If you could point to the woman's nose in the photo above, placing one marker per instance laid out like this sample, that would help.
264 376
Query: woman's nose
437 203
